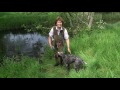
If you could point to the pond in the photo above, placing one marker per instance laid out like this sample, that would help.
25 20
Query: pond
27 44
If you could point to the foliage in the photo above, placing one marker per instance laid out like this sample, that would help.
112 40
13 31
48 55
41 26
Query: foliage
101 24
30 21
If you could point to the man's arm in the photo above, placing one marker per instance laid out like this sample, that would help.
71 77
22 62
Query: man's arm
66 36
68 45
49 38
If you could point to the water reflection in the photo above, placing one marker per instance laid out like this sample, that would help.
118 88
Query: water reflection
30 44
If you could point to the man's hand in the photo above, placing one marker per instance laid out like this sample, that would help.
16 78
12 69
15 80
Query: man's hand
69 50
51 46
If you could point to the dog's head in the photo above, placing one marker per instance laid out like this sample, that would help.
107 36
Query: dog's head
60 53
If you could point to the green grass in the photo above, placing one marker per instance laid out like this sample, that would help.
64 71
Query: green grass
101 51
99 48
15 20
26 68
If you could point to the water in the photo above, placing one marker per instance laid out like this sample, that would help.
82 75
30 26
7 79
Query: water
27 44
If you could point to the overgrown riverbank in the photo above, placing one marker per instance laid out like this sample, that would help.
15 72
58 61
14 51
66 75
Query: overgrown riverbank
99 48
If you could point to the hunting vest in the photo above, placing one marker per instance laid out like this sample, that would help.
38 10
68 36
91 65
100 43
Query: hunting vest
58 41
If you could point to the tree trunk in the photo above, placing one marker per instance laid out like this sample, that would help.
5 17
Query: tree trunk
70 19
90 20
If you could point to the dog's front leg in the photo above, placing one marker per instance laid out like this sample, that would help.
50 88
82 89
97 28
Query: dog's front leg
76 67
68 68
56 59
61 61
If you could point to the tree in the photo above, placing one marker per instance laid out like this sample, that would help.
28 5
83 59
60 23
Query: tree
77 20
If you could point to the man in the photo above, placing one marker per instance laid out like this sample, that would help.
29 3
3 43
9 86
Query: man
57 35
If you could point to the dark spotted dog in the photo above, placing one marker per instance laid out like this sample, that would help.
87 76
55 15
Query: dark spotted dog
69 59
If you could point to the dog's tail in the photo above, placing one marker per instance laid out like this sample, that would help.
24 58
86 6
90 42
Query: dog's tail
85 62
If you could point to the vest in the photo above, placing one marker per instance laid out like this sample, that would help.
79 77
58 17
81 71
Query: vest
58 41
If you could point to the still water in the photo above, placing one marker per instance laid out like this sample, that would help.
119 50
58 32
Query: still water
28 44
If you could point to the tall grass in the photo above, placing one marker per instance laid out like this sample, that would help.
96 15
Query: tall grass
101 51
27 68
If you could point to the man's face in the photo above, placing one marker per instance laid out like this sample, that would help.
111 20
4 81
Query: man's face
59 23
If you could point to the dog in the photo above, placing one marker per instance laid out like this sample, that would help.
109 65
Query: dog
69 59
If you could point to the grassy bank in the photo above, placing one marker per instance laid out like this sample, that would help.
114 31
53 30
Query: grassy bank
99 48
16 20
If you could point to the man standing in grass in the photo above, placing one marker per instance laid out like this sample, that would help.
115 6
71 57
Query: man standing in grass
57 35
